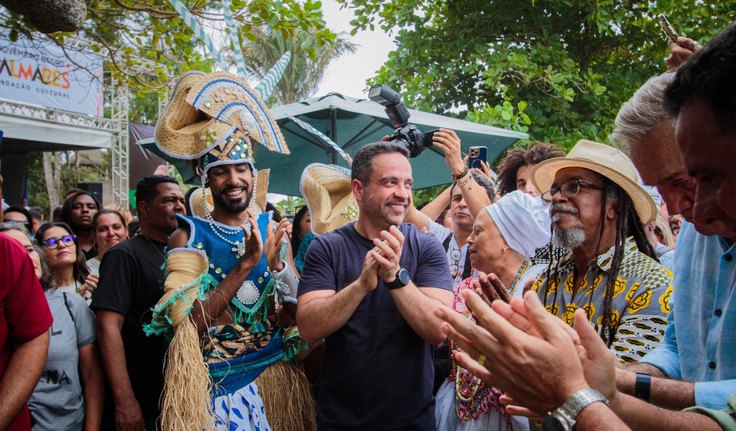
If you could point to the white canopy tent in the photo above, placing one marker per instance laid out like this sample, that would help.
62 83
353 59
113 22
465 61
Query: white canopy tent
50 129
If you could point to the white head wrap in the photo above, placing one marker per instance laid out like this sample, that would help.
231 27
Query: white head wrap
523 221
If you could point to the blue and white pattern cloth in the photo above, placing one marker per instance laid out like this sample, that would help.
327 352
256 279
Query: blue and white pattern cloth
700 339
241 410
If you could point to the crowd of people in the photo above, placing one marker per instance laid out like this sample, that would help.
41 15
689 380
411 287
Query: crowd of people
592 289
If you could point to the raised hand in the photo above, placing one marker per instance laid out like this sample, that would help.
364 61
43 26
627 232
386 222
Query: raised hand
681 50
369 275
490 288
449 143
89 286
387 253
485 169
273 244
540 372
253 242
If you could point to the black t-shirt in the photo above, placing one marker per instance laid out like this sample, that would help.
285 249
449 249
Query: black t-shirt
89 254
131 282
376 373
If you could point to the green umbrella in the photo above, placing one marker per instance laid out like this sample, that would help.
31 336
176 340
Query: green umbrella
352 123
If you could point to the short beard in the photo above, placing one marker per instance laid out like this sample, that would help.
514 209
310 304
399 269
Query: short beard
231 207
380 216
568 238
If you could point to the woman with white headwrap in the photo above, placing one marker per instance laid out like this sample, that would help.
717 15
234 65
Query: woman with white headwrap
504 238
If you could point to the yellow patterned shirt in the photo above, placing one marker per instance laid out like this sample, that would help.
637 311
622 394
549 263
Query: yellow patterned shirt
640 303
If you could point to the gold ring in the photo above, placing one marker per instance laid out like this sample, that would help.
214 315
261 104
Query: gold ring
481 360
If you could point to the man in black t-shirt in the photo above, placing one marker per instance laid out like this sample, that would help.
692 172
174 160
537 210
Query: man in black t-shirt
370 289
131 282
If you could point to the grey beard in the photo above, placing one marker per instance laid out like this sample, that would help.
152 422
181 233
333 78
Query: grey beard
569 238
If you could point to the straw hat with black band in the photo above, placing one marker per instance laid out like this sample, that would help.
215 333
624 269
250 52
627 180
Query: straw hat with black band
606 161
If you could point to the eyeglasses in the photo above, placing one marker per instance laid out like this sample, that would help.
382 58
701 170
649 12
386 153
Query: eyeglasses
569 189
52 243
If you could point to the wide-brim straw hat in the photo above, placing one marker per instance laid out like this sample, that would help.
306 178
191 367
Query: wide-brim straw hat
206 109
200 202
261 187
328 192
605 160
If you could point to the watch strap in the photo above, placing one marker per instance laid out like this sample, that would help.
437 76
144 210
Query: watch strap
643 386
398 282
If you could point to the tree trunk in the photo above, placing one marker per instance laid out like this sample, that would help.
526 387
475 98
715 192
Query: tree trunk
49 16
52 175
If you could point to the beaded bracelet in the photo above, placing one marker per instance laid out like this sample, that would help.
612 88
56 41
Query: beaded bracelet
465 181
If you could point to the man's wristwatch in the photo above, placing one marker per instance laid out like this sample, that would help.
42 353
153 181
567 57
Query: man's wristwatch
401 280
563 417
643 386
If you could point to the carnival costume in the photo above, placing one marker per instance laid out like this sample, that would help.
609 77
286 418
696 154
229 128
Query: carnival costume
235 376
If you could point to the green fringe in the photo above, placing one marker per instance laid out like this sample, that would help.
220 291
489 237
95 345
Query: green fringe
161 323
294 344
253 316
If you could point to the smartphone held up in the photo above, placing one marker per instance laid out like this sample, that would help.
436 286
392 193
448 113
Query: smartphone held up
476 156
667 28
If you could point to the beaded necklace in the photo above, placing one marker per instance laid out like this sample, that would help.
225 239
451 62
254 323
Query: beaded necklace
519 274
473 398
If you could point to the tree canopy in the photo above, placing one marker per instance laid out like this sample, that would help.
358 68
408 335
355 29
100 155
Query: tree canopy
146 43
302 76
558 69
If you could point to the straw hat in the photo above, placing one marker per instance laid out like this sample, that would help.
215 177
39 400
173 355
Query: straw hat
605 160
668 238
216 115
329 195
198 199
261 188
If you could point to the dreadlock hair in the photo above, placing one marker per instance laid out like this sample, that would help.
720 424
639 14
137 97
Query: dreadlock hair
627 224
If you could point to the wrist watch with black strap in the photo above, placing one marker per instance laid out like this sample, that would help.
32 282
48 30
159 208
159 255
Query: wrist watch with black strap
563 417
401 280
643 386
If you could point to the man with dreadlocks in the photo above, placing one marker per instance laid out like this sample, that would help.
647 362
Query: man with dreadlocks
598 211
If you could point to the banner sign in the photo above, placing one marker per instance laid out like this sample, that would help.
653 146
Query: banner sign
39 72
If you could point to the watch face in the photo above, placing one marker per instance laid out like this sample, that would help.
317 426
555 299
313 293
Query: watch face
403 276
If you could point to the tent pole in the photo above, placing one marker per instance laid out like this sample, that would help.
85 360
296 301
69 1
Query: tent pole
333 133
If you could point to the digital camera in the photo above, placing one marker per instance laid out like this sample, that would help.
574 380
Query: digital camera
405 134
